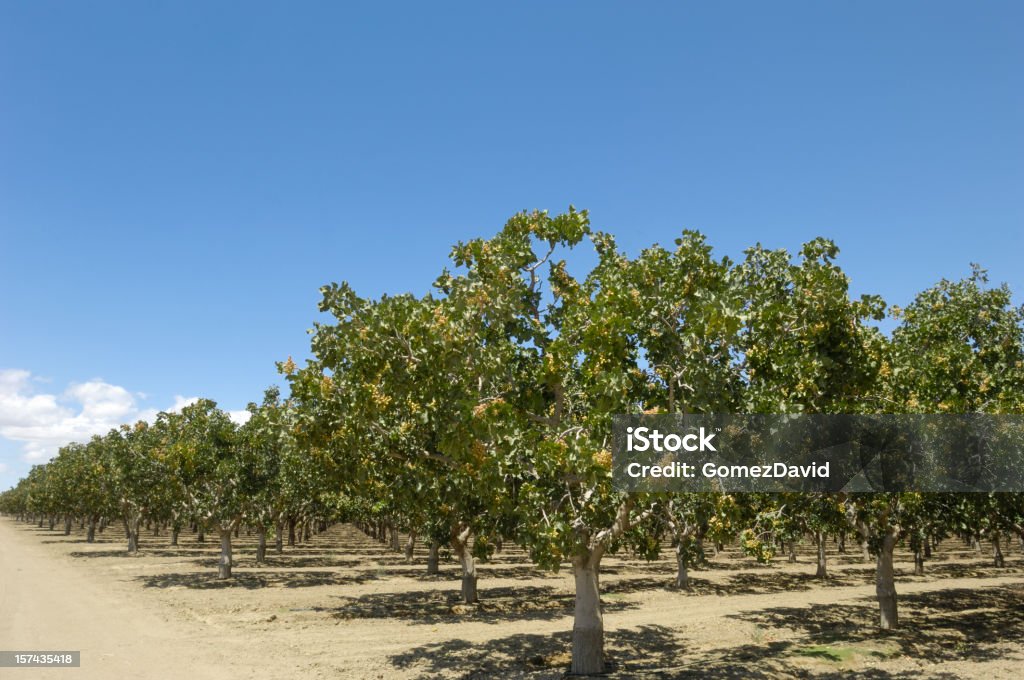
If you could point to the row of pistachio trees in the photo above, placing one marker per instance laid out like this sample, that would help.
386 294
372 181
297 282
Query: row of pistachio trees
482 412
193 468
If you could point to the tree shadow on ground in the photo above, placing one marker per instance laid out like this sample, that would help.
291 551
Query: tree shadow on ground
484 570
298 561
249 580
778 582
965 570
648 652
496 605
530 654
945 625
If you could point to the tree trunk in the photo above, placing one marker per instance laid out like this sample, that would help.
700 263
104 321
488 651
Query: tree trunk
432 559
133 535
928 547
682 572
865 552
224 565
67 525
819 539
305 532
842 543
90 536
997 552
588 624
201 537
261 544
279 537
460 543
919 562
885 584
52 522
792 551
291 532
175 530
410 546
396 544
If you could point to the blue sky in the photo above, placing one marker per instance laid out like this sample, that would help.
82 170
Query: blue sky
178 179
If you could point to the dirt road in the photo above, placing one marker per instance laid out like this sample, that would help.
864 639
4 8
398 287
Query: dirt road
49 603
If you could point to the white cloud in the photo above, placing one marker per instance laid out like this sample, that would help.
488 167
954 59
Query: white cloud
240 417
43 422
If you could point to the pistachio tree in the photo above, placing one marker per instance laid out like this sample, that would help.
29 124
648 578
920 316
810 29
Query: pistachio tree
685 308
807 348
210 466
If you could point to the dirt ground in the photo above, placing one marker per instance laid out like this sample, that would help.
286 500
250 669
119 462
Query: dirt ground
344 606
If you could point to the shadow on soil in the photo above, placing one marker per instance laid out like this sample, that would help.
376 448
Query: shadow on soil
249 580
946 625
939 626
496 605
647 652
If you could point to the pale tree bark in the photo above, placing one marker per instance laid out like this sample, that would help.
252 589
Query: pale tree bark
261 544
820 541
133 534
865 552
588 621
395 543
224 564
997 552
460 546
433 559
90 536
686 539
410 546
885 583
791 548
279 537
682 572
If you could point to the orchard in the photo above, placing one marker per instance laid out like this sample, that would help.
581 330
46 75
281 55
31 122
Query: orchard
478 418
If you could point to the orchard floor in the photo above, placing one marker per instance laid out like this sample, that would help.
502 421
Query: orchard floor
343 606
